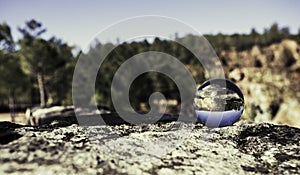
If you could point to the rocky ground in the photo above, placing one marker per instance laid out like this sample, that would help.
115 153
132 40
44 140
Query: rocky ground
244 148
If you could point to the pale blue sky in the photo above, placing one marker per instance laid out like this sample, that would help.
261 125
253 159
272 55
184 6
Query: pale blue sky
76 22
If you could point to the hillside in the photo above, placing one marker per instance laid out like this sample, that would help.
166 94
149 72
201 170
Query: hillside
269 77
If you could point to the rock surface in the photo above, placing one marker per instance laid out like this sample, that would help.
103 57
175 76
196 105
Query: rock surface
244 148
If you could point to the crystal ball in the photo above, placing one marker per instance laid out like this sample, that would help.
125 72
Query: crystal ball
218 102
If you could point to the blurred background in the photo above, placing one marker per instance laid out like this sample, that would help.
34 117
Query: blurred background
256 41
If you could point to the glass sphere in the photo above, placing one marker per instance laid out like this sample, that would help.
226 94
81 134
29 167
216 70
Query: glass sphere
218 102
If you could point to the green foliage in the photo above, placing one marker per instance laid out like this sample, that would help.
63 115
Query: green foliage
144 85
13 81
53 61
48 58
246 41
6 39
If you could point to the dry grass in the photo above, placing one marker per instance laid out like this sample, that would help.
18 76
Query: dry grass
7 117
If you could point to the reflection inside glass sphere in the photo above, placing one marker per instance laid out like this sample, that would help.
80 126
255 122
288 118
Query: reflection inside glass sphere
218 102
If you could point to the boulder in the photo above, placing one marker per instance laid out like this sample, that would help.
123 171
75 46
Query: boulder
44 116
62 115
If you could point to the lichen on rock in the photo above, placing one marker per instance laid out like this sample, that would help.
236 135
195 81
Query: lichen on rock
244 148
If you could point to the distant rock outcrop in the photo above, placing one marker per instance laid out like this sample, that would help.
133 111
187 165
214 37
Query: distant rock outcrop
269 78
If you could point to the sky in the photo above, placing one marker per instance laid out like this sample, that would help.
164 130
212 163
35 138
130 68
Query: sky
77 22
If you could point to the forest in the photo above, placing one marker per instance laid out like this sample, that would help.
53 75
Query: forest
38 71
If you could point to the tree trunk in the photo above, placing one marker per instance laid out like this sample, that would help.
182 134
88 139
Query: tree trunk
12 105
40 80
